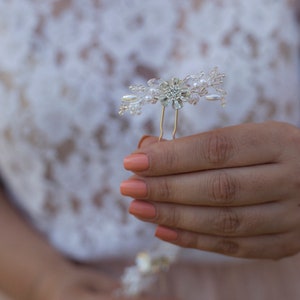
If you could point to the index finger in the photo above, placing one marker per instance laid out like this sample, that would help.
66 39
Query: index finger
235 146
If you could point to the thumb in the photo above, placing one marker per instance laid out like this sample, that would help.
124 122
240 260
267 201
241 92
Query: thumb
147 140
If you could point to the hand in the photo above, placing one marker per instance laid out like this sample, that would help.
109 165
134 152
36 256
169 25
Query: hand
77 282
234 191
74 282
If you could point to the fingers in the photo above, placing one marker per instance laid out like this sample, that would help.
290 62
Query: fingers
274 246
232 191
226 187
227 147
253 220
147 140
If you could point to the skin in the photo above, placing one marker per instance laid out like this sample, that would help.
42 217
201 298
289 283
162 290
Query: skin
31 269
234 190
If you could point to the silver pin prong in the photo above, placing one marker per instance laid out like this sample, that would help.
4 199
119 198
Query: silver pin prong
175 124
161 124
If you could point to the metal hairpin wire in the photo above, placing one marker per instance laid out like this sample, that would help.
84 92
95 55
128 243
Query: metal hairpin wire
174 92
161 124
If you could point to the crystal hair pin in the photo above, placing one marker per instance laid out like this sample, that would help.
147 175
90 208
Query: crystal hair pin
175 92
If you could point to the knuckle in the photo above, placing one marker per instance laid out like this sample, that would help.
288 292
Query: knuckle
288 245
223 188
171 217
189 240
295 180
218 148
286 134
170 160
226 221
227 247
290 155
161 191
292 135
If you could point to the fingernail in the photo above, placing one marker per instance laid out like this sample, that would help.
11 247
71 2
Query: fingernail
136 162
142 209
134 188
166 234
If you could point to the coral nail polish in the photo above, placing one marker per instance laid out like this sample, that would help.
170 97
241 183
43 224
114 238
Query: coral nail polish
136 162
134 188
166 234
142 209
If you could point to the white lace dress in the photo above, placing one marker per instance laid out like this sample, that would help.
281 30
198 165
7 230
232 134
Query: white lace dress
64 65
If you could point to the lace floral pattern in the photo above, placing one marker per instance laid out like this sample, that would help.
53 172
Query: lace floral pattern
64 64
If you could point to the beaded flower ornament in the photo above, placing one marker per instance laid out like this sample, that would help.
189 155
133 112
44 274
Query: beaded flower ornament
174 92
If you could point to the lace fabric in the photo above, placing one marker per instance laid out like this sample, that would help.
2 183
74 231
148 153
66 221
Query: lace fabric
64 65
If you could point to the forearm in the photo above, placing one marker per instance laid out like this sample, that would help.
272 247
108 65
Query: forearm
25 257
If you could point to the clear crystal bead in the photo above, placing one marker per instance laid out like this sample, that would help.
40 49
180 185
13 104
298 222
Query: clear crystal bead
194 99
214 97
